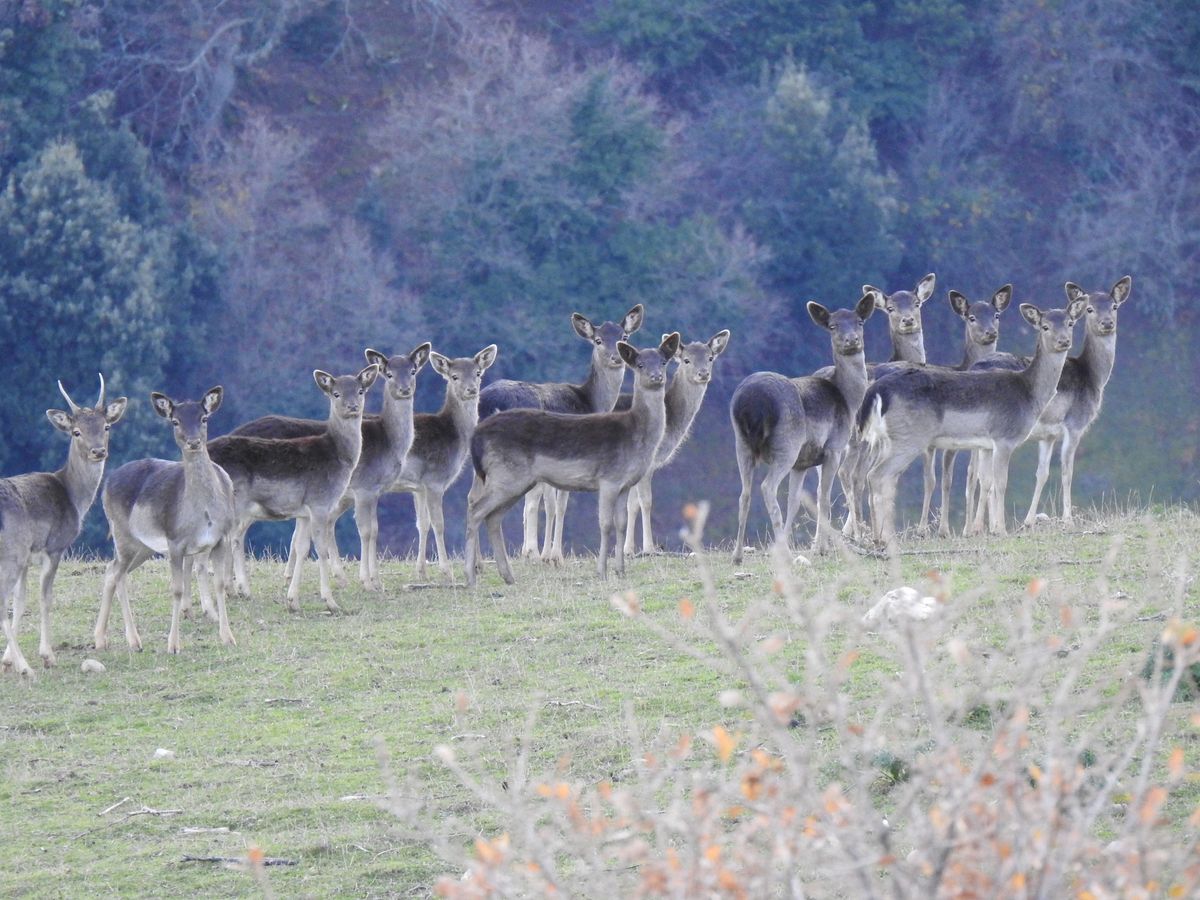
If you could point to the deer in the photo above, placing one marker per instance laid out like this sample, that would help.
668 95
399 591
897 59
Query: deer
603 452
793 424
183 510
286 478
683 397
598 393
41 514
907 336
386 441
1076 404
981 327
904 415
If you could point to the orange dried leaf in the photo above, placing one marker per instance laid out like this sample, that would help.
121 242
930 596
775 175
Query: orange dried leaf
1175 763
690 511
255 856
562 790
712 853
1152 804
682 747
773 644
687 608
727 880
1017 881
849 658
987 779
1066 616
726 743
1035 586
543 790
1177 890
462 702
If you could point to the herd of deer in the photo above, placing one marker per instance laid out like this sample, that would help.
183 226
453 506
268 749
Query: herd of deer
864 423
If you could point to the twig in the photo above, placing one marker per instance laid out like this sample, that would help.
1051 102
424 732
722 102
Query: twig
276 701
571 703
221 829
144 811
241 860
114 806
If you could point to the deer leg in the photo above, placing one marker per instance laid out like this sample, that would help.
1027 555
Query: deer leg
220 556
929 472
434 501
10 577
300 541
1000 460
529 521
850 489
366 518
795 497
186 609
132 639
322 527
770 494
1066 461
645 498
113 573
984 476
745 461
49 570
632 509
200 562
1045 451
606 499
823 540
495 529
178 587
18 610
620 513
552 549
239 558
421 508
948 458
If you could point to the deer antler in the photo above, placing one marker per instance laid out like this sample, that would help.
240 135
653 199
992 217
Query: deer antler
100 401
70 403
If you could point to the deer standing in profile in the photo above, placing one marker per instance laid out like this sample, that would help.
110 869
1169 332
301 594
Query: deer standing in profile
287 478
41 514
904 415
1076 404
604 452
683 398
386 441
793 424
182 510
598 393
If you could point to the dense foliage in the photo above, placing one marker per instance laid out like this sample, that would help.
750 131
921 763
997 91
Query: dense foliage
239 192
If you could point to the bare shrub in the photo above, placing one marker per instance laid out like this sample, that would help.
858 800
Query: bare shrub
980 760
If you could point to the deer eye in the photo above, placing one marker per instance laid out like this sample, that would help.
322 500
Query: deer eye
598 341
204 420
996 316
1090 309
337 394
891 308
454 378
77 433
108 428
1045 328
175 422
970 318
361 391
687 361
387 374
412 371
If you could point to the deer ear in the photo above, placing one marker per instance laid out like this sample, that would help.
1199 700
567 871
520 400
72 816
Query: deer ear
1120 290
114 410
880 296
583 326
376 358
1074 292
633 319
211 401
162 404
420 355
959 303
324 380
60 420
366 377
670 345
440 363
718 342
1076 310
820 314
925 288
864 307
485 357
1002 298
1031 314
628 353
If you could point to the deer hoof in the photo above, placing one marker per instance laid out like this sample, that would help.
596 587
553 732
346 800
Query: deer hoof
227 638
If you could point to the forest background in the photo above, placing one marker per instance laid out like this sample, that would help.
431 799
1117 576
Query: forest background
240 191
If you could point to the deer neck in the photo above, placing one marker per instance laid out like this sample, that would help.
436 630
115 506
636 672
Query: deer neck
199 474
850 377
650 410
682 401
602 386
908 348
346 435
974 352
81 478
397 416
1042 375
463 413
1098 356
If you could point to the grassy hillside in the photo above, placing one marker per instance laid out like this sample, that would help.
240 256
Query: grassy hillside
277 742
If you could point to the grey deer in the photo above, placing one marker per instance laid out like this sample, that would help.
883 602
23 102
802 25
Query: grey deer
288 478
683 398
604 452
1080 390
793 424
598 393
183 510
41 514
387 439
904 415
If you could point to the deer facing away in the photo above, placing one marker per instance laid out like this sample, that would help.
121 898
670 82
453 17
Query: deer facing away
41 514
179 509
793 424
598 393
603 452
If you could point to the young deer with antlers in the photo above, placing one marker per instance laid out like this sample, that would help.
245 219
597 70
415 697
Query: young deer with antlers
597 394
287 478
183 510
683 398
386 441
41 513
603 452
904 415
793 424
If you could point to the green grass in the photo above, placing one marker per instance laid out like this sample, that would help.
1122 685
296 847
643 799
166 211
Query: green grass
277 739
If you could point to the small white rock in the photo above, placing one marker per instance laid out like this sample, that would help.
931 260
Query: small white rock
92 666
801 561
730 698
899 604
164 753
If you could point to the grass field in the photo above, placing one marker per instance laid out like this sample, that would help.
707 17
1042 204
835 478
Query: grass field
277 741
